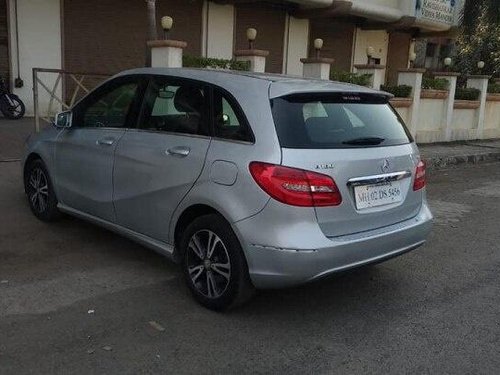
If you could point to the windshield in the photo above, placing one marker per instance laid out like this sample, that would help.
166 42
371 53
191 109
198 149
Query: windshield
337 121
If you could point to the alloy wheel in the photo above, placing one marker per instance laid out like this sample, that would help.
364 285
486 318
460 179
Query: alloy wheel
208 263
38 190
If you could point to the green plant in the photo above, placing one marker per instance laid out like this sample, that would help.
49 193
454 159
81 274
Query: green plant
354 78
400 91
467 93
494 88
208 62
434 83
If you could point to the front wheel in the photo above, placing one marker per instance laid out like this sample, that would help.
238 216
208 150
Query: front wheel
12 107
40 192
214 265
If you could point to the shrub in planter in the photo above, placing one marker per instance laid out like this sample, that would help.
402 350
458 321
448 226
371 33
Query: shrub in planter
400 91
354 78
467 93
208 62
494 88
434 83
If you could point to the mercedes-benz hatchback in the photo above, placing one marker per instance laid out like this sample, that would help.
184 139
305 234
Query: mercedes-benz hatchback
247 180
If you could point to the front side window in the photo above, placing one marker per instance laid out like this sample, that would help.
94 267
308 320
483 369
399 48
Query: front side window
229 122
337 121
109 109
178 107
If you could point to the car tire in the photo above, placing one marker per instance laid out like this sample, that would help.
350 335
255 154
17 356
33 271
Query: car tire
218 277
40 192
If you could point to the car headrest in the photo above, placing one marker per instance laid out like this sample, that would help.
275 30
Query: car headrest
188 99
319 129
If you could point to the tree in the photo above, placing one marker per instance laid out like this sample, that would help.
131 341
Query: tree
151 9
152 30
473 10
479 37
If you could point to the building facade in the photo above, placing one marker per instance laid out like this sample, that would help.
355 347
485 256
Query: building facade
96 36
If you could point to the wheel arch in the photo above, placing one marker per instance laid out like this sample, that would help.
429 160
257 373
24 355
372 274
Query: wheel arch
30 158
187 216
35 155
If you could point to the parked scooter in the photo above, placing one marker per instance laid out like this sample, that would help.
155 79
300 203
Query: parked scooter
10 105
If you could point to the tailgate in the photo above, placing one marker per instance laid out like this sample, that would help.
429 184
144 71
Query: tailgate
362 143
375 171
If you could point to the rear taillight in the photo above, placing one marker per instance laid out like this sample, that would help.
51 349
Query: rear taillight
419 182
296 187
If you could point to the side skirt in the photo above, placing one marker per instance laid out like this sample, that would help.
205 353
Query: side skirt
160 247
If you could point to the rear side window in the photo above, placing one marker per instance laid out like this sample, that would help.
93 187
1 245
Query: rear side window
337 121
229 122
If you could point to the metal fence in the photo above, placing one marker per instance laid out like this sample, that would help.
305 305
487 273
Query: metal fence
64 89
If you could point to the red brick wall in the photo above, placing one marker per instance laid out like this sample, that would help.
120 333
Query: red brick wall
338 40
109 35
397 55
270 24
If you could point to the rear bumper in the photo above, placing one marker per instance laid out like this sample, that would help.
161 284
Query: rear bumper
276 266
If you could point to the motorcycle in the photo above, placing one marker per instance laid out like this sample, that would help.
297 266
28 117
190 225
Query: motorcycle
10 105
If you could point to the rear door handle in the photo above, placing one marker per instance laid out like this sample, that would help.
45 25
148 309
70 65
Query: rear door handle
105 141
181 151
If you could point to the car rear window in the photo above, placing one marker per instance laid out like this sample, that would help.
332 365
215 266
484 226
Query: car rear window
337 121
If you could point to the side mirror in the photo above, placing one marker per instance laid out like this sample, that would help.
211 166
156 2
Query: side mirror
63 119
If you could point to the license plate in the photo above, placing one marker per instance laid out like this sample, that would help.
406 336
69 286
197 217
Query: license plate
367 196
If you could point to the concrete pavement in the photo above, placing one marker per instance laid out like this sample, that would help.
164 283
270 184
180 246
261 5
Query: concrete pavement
77 299
471 152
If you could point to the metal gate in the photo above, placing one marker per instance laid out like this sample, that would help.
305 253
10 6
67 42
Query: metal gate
61 89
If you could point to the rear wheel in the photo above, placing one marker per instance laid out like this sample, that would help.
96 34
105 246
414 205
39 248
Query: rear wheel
214 265
39 190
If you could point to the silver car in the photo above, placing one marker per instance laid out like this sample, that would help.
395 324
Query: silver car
247 180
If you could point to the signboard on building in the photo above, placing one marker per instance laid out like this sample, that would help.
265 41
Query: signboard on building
440 11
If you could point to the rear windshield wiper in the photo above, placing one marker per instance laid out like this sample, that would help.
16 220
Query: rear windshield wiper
366 141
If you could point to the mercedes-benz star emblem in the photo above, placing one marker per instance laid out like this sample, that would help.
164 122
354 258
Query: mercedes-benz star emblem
385 166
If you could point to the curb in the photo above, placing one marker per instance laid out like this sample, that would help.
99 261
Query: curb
438 162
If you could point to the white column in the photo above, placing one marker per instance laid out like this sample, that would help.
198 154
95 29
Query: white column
39 47
413 78
166 53
296 42
256 57
479 82
317 67
218 30
376 71
451 77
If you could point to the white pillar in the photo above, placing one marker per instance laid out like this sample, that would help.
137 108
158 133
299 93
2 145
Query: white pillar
317 67
376 71
256 57
480 82
413 78
218 30
296 43
451 77
166 53
39 47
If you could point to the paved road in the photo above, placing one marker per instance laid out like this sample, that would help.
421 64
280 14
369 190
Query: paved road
434 310
12 137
